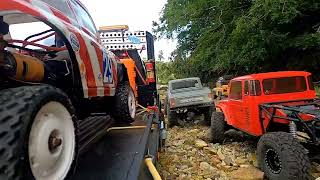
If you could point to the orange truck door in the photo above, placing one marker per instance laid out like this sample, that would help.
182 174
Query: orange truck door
236 105
246 99
130 66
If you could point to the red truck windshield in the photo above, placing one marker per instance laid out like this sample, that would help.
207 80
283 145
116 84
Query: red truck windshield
284 85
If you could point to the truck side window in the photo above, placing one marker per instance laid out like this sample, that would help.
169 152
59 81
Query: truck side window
310 82
246 87
84 18
236 90
255 88
284 85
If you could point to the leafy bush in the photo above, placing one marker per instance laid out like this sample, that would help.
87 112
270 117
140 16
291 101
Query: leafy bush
242 36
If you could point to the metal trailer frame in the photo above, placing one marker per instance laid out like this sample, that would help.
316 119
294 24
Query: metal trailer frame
294 112
120 155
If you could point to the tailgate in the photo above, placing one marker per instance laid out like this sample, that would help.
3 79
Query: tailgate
189 98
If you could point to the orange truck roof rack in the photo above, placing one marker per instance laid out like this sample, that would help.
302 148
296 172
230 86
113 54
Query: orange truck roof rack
114 28
119 38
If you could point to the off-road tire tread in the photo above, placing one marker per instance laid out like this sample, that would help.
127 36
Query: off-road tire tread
165 106
217 128
295 154
122 114
208 113
17 105
172 117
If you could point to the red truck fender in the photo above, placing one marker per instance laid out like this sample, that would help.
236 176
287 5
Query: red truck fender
222 107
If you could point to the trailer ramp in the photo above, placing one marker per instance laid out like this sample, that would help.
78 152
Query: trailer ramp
120 154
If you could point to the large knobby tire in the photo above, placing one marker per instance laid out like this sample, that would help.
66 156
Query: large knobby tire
172 117
208 113
125 104
165 105
217 128
38 134
281 156
162 142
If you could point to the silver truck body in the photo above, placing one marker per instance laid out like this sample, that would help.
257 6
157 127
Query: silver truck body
189 92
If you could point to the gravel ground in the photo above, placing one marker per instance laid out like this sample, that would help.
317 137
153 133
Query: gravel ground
190 155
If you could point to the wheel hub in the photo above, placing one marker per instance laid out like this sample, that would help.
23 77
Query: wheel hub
273 161
54 141
51 146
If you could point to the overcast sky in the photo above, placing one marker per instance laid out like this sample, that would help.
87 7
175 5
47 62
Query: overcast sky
138 14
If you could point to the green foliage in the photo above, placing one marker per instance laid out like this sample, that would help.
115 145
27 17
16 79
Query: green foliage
164 72
317 88
238 37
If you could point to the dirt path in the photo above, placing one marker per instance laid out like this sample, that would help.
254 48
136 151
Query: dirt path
189 155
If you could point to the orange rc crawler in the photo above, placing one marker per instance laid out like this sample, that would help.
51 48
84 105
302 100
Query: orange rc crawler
282 108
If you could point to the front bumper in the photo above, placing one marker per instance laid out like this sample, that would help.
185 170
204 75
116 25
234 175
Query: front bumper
203 105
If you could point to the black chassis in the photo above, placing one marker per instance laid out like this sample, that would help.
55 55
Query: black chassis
193 107
197 109
294 112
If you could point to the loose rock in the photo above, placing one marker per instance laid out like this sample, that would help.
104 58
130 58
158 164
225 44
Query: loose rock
228 161
252 157
183 167
249 173
200 143
219 153
225 168
244 165
316 166
241 161
210 150
206 166
193 131
215 160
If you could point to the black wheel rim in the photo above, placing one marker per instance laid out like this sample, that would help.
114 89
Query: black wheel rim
273 161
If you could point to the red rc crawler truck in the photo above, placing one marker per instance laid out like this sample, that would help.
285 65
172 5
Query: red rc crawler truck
282 108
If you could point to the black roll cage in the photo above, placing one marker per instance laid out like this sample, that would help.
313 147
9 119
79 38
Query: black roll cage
294 113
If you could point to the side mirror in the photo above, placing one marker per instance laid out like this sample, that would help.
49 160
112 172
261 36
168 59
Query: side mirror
267 92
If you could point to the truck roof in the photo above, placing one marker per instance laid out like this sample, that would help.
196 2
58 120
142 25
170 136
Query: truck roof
191 78
273 75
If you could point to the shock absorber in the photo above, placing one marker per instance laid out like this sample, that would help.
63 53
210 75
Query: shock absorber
293 129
